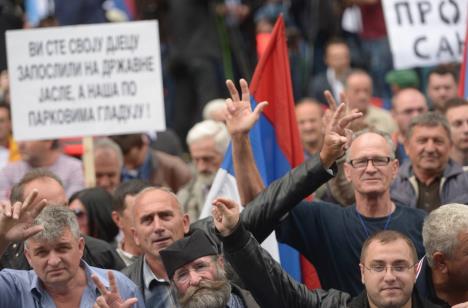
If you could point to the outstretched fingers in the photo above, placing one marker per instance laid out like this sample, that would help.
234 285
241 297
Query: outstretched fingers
102 289
330 100
232 90
245 90
347 119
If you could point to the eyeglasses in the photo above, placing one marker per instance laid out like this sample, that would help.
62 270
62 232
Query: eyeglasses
397 269
379 161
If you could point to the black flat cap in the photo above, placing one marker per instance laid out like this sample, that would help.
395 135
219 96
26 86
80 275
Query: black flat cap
186 250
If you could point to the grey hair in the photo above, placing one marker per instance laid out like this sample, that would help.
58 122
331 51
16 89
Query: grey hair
441 229
210 128
108 144
428 119
213 106
383 134
55 219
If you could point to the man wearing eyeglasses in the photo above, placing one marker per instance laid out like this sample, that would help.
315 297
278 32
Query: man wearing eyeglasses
387 270
331 237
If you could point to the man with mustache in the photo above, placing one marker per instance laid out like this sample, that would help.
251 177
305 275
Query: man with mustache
196 270
207 142
430 178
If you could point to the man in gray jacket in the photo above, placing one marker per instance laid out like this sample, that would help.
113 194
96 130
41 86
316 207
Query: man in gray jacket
430 178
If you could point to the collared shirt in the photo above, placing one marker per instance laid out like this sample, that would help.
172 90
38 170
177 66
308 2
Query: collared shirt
157 291
429 195
143 172
235 302
127 257
19 288
336 85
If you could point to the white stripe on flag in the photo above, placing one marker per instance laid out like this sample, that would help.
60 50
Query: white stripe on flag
224 185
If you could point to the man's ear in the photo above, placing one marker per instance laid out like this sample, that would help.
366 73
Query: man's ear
439 262
186 223
81 245
361 267
27 253
116 219
347 171
221 261
135 237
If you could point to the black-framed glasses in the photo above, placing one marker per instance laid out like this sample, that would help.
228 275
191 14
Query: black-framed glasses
396 269
378 161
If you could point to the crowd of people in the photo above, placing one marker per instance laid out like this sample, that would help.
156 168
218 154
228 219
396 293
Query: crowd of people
386 164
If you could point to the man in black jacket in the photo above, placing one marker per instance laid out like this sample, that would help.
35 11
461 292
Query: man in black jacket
96 252
388 270
159 220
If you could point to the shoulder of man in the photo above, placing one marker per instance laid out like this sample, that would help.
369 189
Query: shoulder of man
100 254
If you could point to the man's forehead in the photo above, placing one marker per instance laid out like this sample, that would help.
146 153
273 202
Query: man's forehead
65 239
426 130
393 251
155 199
201 260
369 142
48 189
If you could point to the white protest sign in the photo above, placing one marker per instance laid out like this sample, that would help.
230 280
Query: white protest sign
85 80
425 32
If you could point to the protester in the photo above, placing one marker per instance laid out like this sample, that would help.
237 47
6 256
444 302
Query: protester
441 86
141 162
429 178
96 252
54 248
124 200
93 209
406 104
169 223
358 91
337 59
443 273
42 154
309 115
387 266
108 163
207 142
456 112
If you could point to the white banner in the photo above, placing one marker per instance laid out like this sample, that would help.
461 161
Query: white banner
425 32
88 80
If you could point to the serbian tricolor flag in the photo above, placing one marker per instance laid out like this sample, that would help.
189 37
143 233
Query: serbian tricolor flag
274 138
463 79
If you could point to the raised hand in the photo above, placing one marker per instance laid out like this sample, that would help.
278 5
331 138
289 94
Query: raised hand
225 215
337 136
16 221
240 118
111 298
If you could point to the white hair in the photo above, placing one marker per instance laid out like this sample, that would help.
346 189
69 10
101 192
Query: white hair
442 227
210 129
214 105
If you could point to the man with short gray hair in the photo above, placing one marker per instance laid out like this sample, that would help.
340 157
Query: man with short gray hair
429 178
207 142
108 163
54 248
443 275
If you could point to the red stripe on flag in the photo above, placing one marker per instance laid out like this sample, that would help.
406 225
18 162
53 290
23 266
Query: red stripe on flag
272 82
